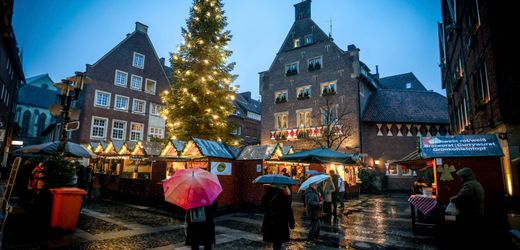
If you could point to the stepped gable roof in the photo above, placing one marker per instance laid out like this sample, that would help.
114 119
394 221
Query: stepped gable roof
257 152
303 26
406 106
400 81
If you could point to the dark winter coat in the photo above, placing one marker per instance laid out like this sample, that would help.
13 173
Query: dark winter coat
278 216
202 233
312 201
470 199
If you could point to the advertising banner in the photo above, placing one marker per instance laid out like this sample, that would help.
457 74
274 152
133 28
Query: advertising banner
460 146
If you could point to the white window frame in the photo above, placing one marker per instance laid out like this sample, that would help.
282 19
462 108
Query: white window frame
306 113
160 134
134 105
126 78
297 43
284 92
133 131
302 89
132 82
134 61
125 124
127 103
289 65
328 84
154 86
92 136
276 115
322 111
318 58
96 99
309 39
155 109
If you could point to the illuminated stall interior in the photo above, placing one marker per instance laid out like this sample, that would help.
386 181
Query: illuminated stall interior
131 160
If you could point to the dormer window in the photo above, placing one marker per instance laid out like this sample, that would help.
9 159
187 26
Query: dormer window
281 96
297 43
291 69
308 40
314 63
138 60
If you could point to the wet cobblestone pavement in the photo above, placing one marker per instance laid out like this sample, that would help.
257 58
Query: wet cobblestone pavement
370 222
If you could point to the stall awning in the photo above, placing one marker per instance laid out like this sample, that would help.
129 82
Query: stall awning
319 155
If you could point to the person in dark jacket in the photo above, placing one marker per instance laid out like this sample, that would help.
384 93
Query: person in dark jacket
202 232
278 217
312 199
470 203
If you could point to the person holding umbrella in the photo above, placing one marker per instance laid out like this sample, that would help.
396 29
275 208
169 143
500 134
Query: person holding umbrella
196 191
312 199
278 217
201 226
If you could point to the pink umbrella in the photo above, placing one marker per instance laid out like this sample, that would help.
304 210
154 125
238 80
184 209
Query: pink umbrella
191 188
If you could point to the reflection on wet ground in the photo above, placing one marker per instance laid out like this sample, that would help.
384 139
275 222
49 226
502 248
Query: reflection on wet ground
370 222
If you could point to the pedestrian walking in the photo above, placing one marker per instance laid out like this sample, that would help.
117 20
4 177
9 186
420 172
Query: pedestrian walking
201 226
334 177
278 217
23 184
312 199
341 192
470 203
328 190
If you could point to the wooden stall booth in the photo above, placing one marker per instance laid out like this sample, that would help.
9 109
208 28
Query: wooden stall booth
257 160
127 169
445 155
212 156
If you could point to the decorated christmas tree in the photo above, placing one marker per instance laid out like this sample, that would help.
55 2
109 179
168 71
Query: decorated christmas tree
201 98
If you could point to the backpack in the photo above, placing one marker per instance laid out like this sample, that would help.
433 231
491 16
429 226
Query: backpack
197 214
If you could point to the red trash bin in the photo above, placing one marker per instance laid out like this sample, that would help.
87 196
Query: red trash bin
66 206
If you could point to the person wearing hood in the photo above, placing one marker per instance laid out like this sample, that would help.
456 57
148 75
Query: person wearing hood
470 203
278 217
312 199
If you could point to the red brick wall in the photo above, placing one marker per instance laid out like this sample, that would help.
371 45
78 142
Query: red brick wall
103 73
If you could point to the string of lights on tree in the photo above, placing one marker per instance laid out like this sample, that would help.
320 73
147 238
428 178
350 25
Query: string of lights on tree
201 98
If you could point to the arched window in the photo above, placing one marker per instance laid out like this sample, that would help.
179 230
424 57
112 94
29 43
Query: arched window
25 122
40 126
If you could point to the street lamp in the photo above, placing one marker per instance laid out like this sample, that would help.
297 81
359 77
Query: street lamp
70 90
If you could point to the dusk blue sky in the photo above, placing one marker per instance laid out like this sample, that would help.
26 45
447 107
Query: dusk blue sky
61 36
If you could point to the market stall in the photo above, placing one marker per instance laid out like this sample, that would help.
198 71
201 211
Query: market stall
447 154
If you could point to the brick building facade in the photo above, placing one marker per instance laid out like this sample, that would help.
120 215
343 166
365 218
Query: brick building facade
384 115
478 74
123 100
11 78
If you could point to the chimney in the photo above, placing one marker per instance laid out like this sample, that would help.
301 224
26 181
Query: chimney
162 60
141 27
302 10
246 95
377 69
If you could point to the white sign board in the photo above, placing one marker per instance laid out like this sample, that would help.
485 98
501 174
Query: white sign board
258 168
221 168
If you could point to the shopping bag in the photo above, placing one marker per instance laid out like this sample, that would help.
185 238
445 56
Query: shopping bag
451 209
197 214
